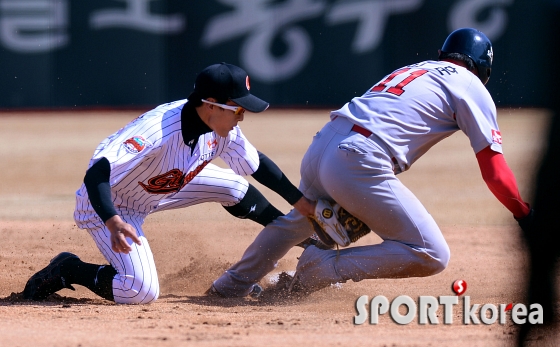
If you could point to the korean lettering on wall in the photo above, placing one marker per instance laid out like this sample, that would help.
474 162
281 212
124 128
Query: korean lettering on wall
38 26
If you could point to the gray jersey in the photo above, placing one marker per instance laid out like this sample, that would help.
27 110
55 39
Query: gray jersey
417 106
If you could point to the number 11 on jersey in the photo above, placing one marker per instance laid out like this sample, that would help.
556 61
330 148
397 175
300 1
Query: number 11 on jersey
398 89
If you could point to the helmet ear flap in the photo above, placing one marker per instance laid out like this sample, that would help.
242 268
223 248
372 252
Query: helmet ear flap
484 75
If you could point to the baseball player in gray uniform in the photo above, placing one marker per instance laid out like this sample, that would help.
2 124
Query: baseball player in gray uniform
354 159
161 161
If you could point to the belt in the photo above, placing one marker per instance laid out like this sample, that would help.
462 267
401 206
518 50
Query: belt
361 130
368 133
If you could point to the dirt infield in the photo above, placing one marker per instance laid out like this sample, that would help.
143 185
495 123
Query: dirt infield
43 160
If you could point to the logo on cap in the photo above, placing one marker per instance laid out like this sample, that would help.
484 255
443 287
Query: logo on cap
247 83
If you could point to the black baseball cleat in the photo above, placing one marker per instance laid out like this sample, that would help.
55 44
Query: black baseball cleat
286 287
295 286
49 280
213 292
256 292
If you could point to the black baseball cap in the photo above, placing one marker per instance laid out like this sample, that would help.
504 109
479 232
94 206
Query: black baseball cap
228 82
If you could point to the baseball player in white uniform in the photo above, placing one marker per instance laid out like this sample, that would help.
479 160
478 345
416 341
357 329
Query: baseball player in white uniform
161 161
354 161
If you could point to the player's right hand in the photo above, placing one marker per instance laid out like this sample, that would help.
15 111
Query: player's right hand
305 206
120 230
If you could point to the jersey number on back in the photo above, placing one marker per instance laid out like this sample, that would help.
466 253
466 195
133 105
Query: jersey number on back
398 89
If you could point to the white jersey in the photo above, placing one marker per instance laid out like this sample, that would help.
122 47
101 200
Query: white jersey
417 106
151 162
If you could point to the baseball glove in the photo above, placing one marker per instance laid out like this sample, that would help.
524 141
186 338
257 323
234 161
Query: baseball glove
334 225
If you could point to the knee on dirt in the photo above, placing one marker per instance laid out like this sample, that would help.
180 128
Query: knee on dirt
433 263
145 293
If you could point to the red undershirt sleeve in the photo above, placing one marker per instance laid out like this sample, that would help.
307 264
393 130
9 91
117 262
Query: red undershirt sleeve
501 181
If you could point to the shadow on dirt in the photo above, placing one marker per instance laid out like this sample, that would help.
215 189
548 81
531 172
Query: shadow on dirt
277 294
235 302
52 300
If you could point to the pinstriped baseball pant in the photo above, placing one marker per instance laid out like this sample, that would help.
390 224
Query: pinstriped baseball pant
136 281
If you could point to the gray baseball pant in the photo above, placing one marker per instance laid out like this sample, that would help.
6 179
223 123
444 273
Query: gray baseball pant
356 172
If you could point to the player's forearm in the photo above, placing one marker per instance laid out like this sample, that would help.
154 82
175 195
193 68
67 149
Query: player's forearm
270 175
98 187
500 180
509 197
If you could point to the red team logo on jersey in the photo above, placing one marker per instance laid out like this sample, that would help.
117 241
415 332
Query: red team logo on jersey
212 144
172 181
496 137
135 144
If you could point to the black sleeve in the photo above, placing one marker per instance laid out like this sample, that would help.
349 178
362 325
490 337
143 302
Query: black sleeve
270 175
99 189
